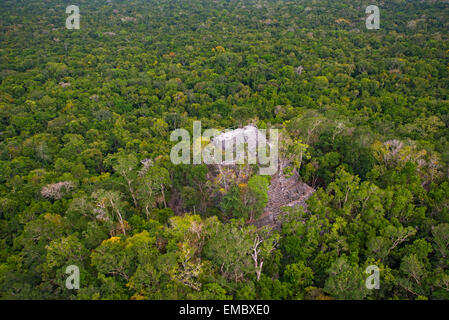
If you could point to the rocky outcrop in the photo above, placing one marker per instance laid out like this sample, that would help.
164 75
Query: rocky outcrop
283 192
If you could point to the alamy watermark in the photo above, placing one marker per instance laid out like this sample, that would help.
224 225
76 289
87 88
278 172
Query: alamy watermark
373 20
72 21
247 145
73 280
373 280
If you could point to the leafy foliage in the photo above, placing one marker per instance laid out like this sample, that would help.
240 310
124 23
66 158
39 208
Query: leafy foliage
85 174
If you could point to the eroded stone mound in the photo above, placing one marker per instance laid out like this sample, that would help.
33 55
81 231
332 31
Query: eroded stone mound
283 192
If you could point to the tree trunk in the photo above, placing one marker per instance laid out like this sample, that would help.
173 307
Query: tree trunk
163 195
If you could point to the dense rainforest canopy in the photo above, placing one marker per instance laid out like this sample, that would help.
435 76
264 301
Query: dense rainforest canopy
85 171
